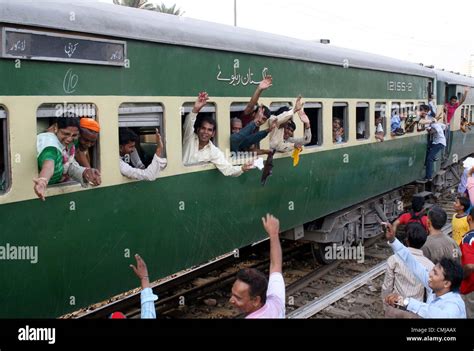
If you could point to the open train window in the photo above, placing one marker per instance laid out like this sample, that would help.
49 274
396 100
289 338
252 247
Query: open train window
208 111
245 136
51 136
340 125
396 118
314 111
380 118
143 119
4 154
362 120
410 121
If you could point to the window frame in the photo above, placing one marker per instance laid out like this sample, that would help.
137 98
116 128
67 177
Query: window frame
345 120
5 140
44 111
319 106
367 133
384 116
143 114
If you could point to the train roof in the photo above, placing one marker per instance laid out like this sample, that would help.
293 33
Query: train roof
123 22
453 78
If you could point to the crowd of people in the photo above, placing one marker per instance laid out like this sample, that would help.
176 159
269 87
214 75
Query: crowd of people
430 273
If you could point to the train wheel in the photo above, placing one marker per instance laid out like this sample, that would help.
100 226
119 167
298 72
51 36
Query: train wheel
320 253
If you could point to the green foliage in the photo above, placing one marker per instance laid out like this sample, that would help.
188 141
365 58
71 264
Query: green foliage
144 4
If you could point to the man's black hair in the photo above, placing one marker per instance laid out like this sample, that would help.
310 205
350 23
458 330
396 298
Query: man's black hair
438 217
204 118
417 203
453 272
416 235
126 135
257 282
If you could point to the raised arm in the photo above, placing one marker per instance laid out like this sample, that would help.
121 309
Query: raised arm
286 116
147 298
272 227
418 270
188 128
463 98
264 85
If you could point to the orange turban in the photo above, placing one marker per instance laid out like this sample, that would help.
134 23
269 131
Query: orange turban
89 123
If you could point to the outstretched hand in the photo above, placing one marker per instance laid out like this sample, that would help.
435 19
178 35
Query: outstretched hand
271 225
141 271
298 104
393 299
200 102
248 166
389 233
266 83
40 187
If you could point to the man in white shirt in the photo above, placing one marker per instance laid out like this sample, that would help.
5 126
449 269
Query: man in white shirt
281 137
197 144
436 129
130 163
251 293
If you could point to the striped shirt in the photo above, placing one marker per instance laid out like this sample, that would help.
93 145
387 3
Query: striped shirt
399 279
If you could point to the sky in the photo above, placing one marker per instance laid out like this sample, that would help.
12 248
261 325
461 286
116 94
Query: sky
431 32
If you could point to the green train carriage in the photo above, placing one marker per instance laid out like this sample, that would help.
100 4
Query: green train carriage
85 237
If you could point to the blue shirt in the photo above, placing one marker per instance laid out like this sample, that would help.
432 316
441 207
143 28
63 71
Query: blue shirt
147 300
463 183
395 123
449 305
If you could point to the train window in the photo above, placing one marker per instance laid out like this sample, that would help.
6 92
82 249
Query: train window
314 111
245 137
208 111
85 145
471 117
340 125
380 117
396 119
4 154
144 119
410 121
362 120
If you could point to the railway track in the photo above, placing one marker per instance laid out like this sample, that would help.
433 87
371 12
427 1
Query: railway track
346 288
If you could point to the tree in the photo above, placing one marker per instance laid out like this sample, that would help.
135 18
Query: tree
144 4
170 10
